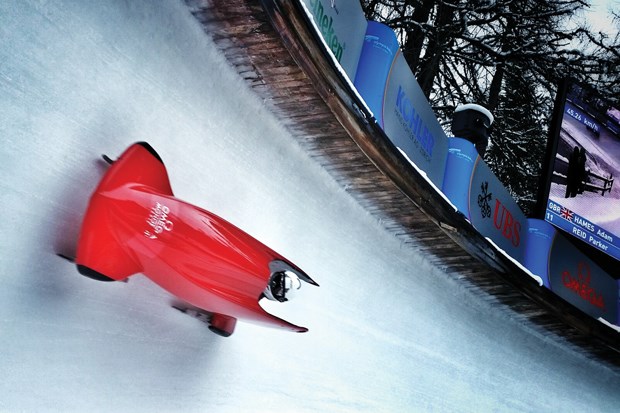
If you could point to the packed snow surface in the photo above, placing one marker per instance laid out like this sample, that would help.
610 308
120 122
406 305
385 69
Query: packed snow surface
388 331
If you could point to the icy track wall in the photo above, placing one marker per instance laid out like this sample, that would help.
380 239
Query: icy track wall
370 57
388 332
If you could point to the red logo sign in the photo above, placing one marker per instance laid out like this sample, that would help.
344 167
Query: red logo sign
506 223
581 285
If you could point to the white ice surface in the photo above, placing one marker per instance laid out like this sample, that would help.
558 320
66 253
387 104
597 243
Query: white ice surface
388 331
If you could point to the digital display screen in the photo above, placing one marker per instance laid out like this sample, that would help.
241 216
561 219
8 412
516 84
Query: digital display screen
584 197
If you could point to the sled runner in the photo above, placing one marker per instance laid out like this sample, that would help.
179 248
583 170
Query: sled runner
134 224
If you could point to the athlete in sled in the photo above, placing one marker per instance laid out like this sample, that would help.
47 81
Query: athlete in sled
134 224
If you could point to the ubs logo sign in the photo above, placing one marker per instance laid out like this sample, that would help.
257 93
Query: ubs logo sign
503 220
483 200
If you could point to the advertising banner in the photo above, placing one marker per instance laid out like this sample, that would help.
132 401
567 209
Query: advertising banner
581 282
462 157
376 60
495 214
411 124
392 93
540 236
480 196
342 25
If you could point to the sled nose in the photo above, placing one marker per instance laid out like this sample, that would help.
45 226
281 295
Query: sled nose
280 266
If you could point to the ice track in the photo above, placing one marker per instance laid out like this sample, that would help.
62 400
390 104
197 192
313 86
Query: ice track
388 332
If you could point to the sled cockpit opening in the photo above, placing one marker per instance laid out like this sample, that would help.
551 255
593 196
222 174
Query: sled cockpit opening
285 281
282 286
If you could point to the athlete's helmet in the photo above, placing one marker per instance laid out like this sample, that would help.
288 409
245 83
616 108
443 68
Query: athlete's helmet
282 286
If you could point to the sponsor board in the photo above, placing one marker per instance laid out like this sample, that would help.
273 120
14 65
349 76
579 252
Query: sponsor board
581 282
342 25
494 213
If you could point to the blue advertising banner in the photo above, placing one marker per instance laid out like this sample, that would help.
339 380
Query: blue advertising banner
540 236
342 25
411 124
375 63
392 93
481 197
462 157
581 282
495 214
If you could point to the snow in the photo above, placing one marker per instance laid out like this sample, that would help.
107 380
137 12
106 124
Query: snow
535 277
608 324
601 150
388 331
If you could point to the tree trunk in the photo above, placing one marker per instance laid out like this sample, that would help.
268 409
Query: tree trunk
414 39
496 87
429 64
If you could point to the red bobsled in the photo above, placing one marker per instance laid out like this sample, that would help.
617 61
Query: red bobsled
134 224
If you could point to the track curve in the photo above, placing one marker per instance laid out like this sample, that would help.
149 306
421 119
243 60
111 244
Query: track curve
390 329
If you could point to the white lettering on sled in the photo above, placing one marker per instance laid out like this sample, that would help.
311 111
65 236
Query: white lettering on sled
158 221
